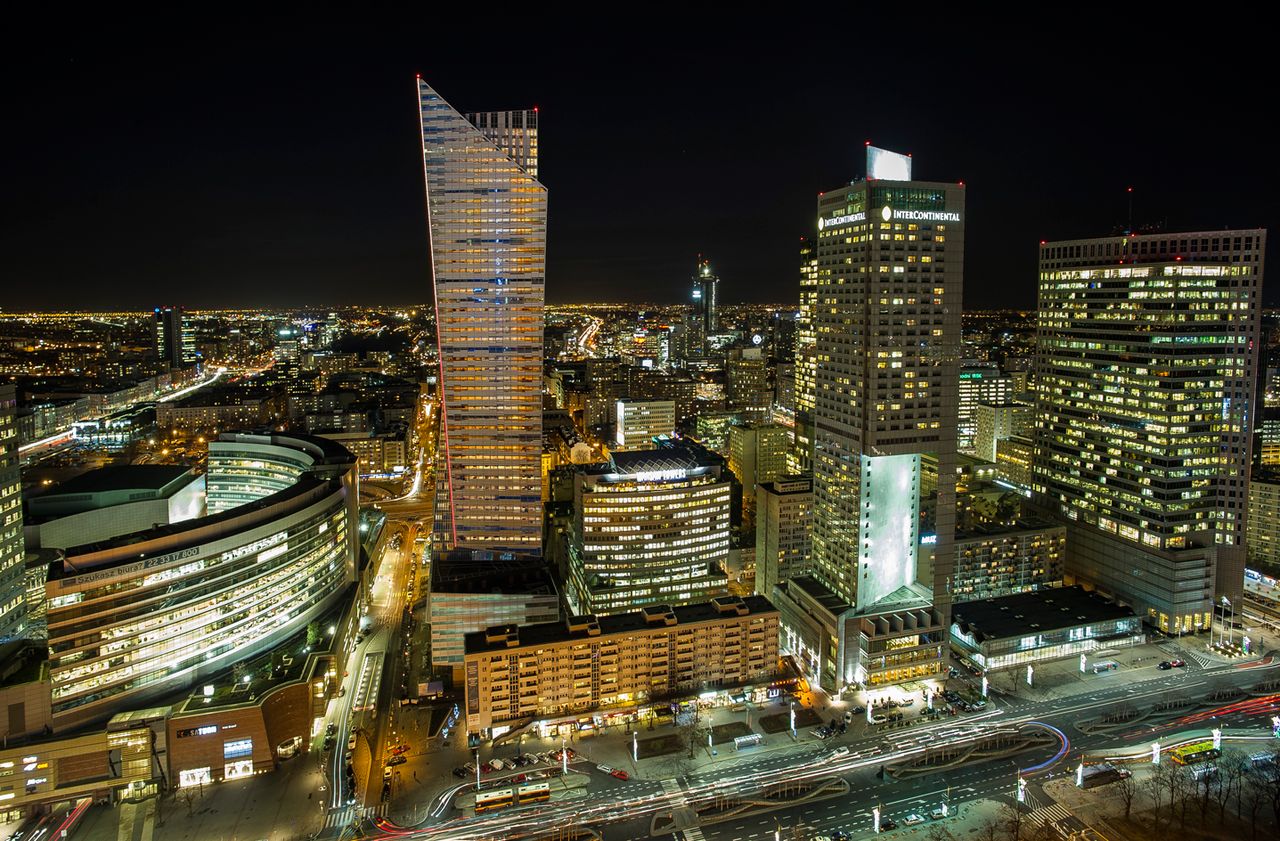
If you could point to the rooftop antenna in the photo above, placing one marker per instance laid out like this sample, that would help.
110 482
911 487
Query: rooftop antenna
1129 190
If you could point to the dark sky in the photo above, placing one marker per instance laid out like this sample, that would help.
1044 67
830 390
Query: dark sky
284 168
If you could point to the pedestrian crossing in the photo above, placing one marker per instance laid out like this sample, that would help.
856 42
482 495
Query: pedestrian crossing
1051 814
347 814
693 834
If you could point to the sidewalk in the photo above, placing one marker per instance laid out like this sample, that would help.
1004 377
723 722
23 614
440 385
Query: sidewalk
271 806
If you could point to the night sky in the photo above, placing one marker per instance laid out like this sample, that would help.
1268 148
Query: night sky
285 169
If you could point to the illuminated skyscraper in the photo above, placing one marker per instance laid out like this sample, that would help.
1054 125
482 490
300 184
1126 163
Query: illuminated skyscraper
175 343
487 214
890 255
1146 353
12 546
805 360
705 291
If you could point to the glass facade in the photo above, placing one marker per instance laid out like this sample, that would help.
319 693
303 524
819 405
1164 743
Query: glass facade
1146 352
12 545
650 537
487 214
136 618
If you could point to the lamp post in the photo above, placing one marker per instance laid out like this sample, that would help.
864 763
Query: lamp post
477 769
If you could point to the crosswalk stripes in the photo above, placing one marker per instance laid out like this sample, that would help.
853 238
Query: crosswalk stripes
1203 660
693 834
671 787
1050 814
339 817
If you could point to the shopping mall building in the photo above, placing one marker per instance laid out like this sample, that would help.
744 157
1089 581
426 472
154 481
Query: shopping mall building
138 620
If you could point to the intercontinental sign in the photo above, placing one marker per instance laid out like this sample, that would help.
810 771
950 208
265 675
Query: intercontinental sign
887 213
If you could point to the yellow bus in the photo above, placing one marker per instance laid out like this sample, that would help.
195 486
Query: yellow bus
533 793
487 801
1195 753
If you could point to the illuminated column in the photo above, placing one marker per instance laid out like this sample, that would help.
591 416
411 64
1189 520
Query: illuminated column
1080 774
1030 671
1217 738
1155 753
875 819
635 747
984 686
1022 789
1082 659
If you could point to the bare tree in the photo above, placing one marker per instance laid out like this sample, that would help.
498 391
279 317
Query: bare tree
1156 786
1127 790
1231 768
1253 795
1012 820
989 830
938 832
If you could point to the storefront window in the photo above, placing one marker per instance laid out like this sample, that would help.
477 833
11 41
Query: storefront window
235 770
194 776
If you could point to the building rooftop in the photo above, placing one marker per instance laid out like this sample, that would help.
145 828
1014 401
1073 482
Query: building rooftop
125 477
502 637
1024 524
1041 610
505 573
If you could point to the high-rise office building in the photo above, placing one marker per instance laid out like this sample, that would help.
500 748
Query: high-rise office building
978 384
806 359
705 291
12 547
887 320
650 527
784 526
1145 376
175 342
747 382
641 421
996 421
487 214
757 453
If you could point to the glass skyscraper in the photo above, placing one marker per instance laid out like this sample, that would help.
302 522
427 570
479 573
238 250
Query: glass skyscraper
487 214
1145 363
12 546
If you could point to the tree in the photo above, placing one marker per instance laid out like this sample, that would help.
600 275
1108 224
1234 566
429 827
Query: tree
1012 820
938 832
1127 789
1253 794
314 634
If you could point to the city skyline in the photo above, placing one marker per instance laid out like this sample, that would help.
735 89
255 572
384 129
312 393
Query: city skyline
221 199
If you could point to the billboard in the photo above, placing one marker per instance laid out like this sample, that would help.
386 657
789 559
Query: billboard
884 165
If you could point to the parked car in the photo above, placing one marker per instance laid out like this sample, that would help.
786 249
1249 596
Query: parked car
397 760
912 820
330 729
399 749
887 824
605 768
843 750
1177 664
937 814
1164 665
620 774
351 742
497 764
459 772
879 719
848 716
859 710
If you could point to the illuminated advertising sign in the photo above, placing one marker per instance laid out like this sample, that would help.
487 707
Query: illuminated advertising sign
661 475
860 216
883 165
925 215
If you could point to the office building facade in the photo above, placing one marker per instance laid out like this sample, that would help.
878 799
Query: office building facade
757 453
784 527
887 321
174 340
706 291
12 547
1145 375
978 384
641 421
487 213
996 561
806 359
995 422
649 527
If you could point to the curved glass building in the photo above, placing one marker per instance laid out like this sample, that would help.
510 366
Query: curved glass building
146 614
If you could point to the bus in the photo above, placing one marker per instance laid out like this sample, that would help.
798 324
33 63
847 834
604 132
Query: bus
1195 753
748 741
487 801
503 798
533 793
